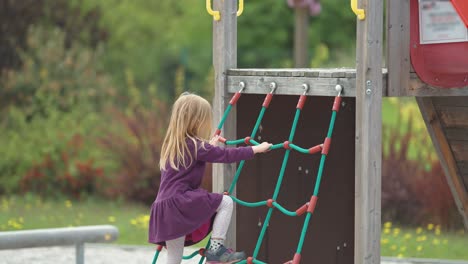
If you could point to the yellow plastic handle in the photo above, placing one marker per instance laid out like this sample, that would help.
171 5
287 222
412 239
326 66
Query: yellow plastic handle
216 15
360 13
241 7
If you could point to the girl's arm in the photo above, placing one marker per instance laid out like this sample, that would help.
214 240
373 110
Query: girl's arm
209 153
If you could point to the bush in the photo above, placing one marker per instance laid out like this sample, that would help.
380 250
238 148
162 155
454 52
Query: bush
414 189
134 143
49 120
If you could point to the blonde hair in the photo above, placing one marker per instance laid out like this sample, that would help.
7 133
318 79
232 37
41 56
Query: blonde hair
190 119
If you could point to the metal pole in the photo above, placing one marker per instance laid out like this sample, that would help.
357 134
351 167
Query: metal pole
80 253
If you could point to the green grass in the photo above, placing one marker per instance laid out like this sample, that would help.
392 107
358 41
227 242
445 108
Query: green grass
29 212
423 242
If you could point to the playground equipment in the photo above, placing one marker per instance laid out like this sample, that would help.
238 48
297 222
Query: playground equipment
346 227
49 237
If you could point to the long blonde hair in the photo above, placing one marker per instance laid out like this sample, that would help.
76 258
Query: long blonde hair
190 119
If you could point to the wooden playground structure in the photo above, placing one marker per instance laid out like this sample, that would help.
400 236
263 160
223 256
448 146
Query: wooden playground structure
347 225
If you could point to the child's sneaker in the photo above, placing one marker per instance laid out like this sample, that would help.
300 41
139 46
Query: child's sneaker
223 256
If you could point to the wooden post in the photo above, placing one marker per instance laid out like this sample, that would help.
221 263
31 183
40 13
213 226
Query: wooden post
368 133
301 56
398 47
224 58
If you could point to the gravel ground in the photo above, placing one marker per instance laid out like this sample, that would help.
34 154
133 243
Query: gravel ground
113 254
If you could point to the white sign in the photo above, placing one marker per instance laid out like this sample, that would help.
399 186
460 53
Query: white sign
439 22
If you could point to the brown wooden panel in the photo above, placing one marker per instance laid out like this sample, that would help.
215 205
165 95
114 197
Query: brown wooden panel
332 225
460 149
453 116
463 167
450 101
456 133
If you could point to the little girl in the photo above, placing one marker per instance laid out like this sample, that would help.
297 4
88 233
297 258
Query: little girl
183 213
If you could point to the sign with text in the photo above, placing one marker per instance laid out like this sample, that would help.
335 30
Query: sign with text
439 22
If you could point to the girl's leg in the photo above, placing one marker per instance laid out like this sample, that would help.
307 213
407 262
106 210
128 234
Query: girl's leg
175 250
221 222
218 253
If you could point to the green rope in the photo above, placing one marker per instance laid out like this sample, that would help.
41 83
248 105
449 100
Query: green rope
226 113
284 210
256 204
191 255
317 186
156 255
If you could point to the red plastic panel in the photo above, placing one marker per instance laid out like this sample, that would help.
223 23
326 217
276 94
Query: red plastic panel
441 65
462 8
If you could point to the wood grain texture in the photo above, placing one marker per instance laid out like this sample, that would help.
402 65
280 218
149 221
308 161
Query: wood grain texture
224 58
421 89
452 173
460 149
398 47
454 116
368 133
456 133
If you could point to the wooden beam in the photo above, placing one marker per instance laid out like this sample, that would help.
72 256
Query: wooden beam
421 89
322 82
301 56
398 46
446 156
369 92
224 58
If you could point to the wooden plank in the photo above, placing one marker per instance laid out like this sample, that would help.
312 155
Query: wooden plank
450 101
398 46
369 92
445 154
454 116
421 89
288 72
224 58
292 85
463 167
456 133
460 149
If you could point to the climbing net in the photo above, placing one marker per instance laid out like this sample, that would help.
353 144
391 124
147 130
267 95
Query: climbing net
309 207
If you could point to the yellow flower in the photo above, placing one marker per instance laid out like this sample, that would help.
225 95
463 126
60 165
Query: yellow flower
133 222
393 247
387 231
437 232
421 238
388 224
400 255
436 241
68 204
384 241
419 230
396 231
407 236
111 219
430 227
403 248
419 248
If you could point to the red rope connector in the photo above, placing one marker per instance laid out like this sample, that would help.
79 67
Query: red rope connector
270 203
326 146
336 104
286 145
218 132
312 204
247 140
201 251
249 260
301 102
267 100
222 140
301 210
297 258
234 99
159 247
315 149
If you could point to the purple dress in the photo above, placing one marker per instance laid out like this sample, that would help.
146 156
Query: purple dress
181 207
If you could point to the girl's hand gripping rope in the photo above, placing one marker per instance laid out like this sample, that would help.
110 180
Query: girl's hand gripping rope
263 147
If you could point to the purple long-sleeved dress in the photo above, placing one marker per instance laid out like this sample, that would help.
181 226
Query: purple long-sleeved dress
181 207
